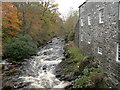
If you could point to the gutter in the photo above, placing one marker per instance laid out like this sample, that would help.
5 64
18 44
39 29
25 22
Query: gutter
82 4
119 10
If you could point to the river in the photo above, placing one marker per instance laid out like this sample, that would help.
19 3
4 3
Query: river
39 71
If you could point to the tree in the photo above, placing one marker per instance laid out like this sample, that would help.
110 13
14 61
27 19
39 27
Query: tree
22 46
40 20
11 22
70 23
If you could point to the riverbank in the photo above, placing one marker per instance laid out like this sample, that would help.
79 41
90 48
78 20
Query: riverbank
11 72
79 69
37 71
54 67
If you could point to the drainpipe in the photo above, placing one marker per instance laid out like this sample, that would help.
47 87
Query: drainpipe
118 41
119 10
118 22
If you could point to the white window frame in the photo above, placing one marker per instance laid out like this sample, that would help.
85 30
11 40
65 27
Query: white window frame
81 21
100 50
89 19
89 42
101 15
117 53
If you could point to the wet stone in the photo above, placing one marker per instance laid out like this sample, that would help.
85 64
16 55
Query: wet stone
48 59
54 57
44 67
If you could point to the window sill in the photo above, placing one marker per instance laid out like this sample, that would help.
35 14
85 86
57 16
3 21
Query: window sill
100 53
89 43
118 61
101 22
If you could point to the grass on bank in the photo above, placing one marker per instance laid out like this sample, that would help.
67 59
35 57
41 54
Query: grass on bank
80 69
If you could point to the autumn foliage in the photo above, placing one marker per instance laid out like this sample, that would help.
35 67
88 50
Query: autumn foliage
38 20
11 22
69 44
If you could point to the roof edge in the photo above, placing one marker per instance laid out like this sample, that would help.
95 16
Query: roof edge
82 4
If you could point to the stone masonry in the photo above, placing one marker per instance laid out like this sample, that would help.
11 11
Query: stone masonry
100 39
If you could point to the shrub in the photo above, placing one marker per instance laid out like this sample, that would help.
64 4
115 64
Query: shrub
70 36
74 53
83 82
22 46
71 64
91 78
81 69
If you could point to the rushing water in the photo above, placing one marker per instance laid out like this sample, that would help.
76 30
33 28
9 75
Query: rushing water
40 70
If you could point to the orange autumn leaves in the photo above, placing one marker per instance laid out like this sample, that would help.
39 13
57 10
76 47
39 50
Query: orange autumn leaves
10 15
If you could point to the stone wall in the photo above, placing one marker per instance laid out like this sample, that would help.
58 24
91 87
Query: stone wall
102 35
76 40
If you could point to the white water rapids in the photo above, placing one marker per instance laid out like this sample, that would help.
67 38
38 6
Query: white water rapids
40 69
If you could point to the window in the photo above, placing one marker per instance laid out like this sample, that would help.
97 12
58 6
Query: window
101 16
81 21
99 50
89 39
89 42
89 20
118 53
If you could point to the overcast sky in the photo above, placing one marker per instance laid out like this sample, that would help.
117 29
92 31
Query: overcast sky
65 5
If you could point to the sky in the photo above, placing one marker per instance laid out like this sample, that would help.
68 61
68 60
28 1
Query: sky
65 5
